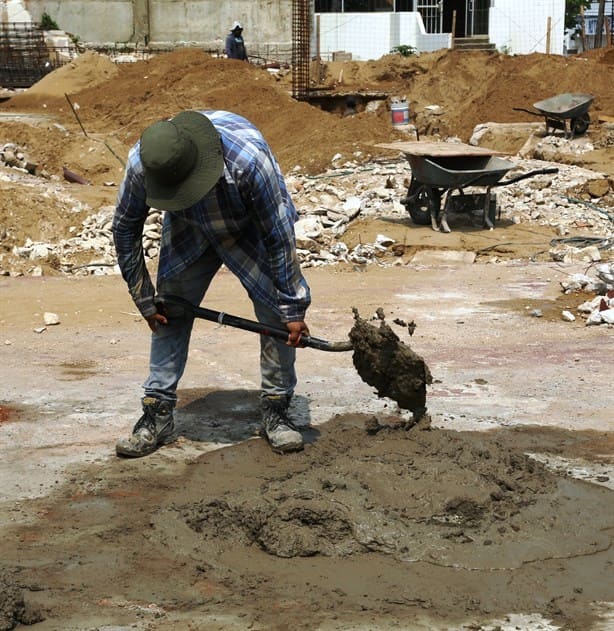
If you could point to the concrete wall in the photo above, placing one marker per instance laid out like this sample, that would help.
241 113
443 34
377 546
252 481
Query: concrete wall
521 26
14 11
372 35
200 22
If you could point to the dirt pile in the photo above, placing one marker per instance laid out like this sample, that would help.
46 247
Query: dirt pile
118 102
114 103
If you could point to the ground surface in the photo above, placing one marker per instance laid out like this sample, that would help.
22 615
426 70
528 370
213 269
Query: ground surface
499 515
362 529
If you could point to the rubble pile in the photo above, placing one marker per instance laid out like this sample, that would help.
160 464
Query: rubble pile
347 193
600 309
11 155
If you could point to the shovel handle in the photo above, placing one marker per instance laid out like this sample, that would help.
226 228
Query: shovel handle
249 325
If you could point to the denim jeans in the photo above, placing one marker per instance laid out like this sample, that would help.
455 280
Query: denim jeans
169 344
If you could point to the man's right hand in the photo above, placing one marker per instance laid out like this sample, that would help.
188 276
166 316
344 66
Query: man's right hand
296 329
155 320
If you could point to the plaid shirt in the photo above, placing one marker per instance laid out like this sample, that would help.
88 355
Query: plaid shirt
248 218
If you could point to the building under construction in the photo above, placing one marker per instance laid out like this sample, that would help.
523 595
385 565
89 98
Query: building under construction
27 53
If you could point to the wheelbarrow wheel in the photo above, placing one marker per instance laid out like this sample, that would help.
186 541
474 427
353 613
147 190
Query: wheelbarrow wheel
421 200
580 124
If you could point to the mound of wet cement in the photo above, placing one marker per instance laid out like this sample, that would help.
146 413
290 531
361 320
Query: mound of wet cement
455 500
13 608
389 365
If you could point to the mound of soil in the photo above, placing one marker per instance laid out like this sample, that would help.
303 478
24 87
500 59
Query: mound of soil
116 102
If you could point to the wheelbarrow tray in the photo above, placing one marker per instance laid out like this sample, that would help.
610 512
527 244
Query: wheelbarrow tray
450 172
562 106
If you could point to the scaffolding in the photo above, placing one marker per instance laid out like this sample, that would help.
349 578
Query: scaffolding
25 57
301 19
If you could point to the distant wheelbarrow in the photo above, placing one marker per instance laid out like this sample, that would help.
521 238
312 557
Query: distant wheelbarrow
568 112
438 168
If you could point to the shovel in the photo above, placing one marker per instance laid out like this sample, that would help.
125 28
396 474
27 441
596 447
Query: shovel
175 306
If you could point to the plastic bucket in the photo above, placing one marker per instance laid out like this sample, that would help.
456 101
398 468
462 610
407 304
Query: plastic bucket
400 113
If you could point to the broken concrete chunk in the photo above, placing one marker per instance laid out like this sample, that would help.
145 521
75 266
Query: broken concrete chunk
607 316
50 318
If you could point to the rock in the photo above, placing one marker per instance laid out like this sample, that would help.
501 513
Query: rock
383 240
598 188
309 227
50 318
568 316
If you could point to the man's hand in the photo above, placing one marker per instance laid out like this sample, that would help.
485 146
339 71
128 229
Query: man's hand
155 320
297 329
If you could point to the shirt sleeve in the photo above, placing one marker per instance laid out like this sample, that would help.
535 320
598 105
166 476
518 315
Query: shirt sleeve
130 214
274 214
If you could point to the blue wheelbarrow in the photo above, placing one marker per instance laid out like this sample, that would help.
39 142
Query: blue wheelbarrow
568 112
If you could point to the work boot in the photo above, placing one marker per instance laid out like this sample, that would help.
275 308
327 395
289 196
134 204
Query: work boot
155 428
278 429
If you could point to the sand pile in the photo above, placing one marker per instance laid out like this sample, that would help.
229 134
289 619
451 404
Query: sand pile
471 87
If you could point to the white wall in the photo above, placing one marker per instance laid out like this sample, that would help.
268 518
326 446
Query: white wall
14 11
517 26
520 26
372 35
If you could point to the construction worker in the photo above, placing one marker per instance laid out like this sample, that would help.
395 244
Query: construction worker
227 203
235 46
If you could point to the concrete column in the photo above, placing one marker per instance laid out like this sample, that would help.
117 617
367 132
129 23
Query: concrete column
141 31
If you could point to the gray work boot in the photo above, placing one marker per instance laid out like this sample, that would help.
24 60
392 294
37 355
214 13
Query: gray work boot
281 433
153 429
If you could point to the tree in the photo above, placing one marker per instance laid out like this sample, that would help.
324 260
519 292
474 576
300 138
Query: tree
573 8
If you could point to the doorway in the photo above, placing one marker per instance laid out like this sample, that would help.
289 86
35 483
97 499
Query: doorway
471 17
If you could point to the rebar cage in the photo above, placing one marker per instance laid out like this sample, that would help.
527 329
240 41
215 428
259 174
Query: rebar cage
301 20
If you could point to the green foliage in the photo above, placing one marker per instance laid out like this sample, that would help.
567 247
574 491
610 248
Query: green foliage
404 50
572 11
48 24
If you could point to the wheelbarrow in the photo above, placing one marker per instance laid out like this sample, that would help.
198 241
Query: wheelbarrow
439 168
568 112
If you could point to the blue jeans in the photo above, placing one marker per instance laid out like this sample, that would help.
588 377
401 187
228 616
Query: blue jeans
169 344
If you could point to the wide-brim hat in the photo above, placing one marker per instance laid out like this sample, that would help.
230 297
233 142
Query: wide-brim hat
183 160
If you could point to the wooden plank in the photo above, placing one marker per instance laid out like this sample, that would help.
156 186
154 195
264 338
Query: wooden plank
451 149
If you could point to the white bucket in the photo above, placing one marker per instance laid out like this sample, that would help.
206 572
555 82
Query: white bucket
399 108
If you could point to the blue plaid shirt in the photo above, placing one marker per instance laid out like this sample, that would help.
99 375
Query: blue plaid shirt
248 218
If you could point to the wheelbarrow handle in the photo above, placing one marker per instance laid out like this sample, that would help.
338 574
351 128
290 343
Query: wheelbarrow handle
187 308
524 176
522 109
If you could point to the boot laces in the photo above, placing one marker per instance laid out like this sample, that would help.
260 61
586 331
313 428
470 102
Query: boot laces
276 414
147 421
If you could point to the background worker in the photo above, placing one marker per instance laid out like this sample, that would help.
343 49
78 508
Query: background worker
235 46
227 203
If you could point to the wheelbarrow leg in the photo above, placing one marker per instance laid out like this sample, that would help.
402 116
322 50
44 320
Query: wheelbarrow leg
435 219
489 221
443 217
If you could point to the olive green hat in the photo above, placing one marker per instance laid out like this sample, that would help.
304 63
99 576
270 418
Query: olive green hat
183 161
